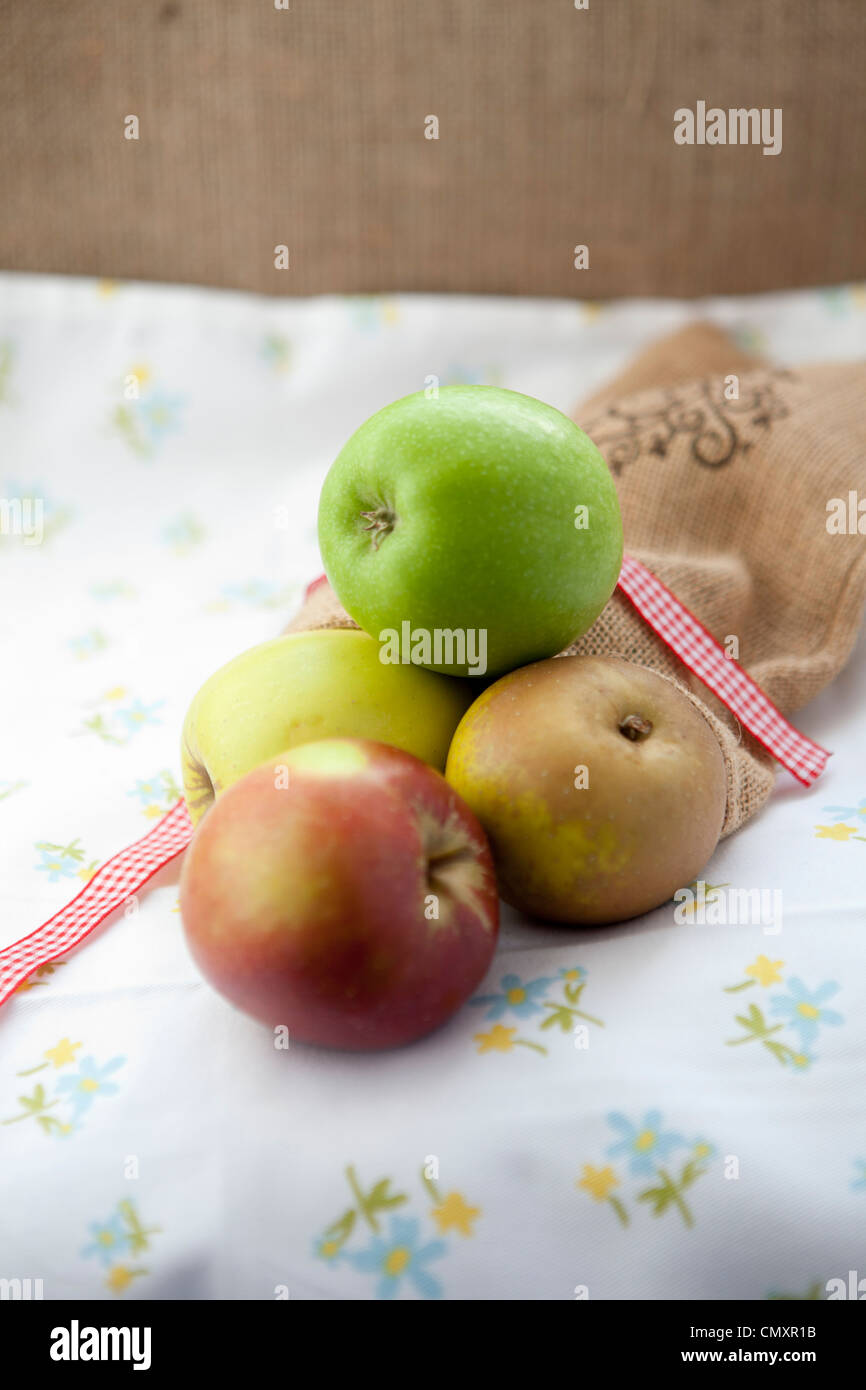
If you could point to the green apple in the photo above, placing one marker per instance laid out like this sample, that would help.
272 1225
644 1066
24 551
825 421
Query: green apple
305 686
471 531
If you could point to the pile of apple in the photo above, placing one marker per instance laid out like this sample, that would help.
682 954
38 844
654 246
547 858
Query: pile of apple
337 883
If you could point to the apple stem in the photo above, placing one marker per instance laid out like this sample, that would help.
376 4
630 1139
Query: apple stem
635 727
381 523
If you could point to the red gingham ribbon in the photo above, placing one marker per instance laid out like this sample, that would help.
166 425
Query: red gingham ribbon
700 651
122 876
111 886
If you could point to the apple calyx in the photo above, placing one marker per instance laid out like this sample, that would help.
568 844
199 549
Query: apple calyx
442 866
381 522
451 861
635 727
200 790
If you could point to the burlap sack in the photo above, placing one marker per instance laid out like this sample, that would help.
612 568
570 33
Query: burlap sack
725 469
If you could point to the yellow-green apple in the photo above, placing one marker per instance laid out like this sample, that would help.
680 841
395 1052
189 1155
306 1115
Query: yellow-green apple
344 891
477 527
311 685
601 786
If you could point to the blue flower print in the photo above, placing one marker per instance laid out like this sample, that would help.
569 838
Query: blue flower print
159 414
183 533
803 1009
645 1144
111 589
254 592
516 997
148 791
154 791
398 1257
57 865
843 812
88 644
109 1240
88 1082
573 974
137 715
371 312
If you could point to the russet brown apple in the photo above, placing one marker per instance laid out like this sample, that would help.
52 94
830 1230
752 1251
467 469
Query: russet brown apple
343 890
601 786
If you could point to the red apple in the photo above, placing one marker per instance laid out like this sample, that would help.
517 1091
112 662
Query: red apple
342 890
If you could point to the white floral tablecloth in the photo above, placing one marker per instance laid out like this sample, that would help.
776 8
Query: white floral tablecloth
659 1110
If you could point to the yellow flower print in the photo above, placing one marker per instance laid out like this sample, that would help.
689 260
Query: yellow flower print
399 1255
700 896
598 1182
140 372
106 288
117 692
36 979
62 1053
499 1039
835 832
455 1213
647 1147
765 971
120 1278
762 971
452 1211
